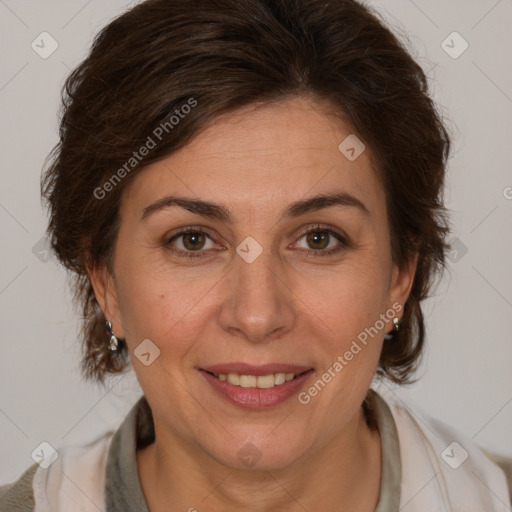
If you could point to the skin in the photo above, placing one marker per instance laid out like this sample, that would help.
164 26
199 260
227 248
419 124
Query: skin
286 306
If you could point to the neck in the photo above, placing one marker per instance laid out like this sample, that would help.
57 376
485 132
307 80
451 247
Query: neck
344 475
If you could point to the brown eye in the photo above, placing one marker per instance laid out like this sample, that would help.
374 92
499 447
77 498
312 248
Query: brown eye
193 241
318 239
190 243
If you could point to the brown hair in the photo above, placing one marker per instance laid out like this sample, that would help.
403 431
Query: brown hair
220 55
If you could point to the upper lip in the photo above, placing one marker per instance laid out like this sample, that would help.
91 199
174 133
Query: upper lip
250 369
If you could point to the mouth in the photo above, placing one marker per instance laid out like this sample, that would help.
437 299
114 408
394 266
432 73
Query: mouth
266 381
256 387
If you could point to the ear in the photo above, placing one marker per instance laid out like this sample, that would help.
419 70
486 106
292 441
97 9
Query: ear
402 281
103 283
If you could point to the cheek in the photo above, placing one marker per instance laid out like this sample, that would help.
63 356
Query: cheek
161 305
344 318
349 329
349 299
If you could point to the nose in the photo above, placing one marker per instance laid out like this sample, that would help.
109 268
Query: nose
258 303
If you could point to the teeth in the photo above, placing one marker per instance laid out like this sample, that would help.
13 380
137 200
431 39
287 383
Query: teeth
280 378
233 378
248 381
252 381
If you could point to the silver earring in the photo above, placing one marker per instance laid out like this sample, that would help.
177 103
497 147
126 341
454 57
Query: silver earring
113 344
396 327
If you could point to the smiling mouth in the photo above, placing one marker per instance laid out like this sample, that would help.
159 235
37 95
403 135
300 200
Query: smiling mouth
257 381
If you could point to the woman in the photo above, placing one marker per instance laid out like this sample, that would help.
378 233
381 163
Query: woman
249 194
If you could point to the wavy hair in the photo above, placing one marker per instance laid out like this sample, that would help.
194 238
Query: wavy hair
226 54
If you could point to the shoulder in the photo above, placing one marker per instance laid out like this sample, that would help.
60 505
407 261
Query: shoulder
456 472
505 463
18 496
78 469
60 486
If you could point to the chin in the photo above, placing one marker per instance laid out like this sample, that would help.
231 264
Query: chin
258 454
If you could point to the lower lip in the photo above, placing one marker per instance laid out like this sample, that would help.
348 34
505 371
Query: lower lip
256 398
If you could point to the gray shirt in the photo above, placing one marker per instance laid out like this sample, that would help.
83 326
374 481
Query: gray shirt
124 491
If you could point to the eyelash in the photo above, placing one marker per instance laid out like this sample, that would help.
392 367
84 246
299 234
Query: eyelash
313 253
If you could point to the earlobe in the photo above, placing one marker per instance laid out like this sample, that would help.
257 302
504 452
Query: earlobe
105 292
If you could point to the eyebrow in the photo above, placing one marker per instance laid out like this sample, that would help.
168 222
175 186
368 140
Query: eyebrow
220 212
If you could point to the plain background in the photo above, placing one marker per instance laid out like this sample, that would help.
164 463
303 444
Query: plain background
466 377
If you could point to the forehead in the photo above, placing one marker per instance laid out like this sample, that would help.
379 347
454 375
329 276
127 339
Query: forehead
255 158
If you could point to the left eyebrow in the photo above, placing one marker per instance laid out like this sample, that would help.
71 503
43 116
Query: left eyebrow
321 201
220 212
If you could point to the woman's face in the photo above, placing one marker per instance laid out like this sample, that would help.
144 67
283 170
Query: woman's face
256 289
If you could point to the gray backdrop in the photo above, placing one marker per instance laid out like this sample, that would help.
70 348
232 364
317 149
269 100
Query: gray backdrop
466 376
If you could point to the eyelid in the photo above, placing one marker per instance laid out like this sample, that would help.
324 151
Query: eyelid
189 229
325 227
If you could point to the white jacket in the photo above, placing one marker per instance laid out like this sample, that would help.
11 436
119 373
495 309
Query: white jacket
441 471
